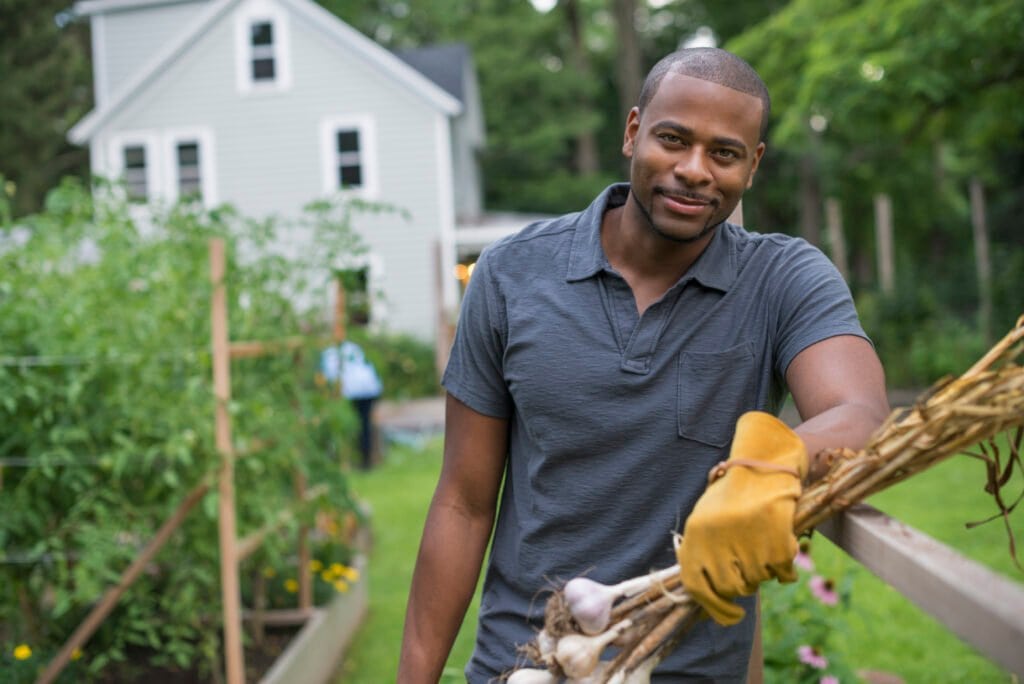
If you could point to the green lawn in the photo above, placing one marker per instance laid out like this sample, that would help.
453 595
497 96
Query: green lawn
398 492
884 630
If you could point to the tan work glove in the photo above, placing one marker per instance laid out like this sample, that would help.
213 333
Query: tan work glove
740 533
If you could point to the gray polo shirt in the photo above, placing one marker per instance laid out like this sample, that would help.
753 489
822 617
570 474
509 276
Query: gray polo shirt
614 418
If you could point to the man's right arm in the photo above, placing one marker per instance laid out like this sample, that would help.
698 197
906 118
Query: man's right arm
455 538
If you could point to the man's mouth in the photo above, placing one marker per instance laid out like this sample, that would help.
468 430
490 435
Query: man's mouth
685 202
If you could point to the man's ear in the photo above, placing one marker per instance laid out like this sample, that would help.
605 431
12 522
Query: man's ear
629 137
758 153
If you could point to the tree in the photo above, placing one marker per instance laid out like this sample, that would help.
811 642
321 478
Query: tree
45 87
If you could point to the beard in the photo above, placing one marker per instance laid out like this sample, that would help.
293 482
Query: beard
683 240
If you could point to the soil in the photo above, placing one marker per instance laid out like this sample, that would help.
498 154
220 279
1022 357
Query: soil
258 660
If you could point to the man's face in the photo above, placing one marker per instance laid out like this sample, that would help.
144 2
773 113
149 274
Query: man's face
693 152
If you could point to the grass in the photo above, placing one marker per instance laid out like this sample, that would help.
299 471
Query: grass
398 492
884 630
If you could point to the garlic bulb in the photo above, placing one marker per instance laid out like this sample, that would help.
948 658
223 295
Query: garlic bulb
531 676
590 602
578 655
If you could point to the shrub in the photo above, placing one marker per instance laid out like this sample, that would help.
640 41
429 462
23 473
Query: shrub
107 406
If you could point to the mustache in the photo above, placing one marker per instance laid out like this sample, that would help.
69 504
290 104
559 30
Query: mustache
676 193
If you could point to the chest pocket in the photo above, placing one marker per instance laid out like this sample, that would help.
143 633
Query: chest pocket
714 388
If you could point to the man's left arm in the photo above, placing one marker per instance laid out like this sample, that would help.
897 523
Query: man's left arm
838 386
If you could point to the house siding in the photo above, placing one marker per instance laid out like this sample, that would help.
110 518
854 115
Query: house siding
132 37
268 153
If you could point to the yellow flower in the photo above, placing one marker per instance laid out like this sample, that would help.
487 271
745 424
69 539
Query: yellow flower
351 574
76 653
269 572
315 565
291 586
341 586
338 569
22 652
327 576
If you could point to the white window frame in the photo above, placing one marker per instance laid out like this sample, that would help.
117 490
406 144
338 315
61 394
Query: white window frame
148 140
207 168
365 126
256 12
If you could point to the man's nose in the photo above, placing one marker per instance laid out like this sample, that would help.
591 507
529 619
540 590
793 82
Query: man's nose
692 167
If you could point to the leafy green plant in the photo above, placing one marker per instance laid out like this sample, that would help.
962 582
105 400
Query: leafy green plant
802 623
107 405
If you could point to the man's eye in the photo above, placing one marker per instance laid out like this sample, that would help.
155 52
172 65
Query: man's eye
727 154
670 138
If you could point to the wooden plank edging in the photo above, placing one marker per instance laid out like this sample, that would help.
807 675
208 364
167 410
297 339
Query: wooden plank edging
314 654
983 608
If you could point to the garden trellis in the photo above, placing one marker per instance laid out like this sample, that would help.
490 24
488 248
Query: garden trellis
233 550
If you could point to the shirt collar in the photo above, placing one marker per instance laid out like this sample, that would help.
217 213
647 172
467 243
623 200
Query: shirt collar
714 268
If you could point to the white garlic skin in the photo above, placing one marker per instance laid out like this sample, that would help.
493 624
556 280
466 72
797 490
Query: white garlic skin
577 655
590 604
531 676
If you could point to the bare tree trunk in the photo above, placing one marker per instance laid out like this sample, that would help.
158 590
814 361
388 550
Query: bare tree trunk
810 200
982 261
629 70
883 239
586 158
836 240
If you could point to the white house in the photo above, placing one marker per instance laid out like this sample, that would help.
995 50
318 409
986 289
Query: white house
269 104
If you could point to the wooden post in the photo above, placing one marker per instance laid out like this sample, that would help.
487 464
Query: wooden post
736 217
444 335
230 592
106 604
883 238
836 240
305 576
982 261
339 331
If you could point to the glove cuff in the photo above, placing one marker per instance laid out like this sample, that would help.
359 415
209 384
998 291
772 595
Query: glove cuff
763 438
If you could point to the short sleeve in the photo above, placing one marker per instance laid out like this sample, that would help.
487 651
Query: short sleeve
475 373
813 303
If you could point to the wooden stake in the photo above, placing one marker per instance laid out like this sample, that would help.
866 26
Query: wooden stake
836 240
883 233
982 261
339 331
305 575
233 655
106 604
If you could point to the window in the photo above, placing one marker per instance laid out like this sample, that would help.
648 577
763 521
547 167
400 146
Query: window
135 173
262 44
350 173
189 174
349 160
262 48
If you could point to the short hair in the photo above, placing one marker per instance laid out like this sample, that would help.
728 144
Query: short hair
709 64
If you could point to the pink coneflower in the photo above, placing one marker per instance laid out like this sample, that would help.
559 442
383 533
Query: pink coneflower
824 590
803 557
829 679
811 656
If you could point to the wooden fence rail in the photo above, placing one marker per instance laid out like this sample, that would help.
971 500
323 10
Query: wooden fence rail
981 607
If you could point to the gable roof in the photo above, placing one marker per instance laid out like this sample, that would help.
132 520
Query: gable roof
311 13
445 65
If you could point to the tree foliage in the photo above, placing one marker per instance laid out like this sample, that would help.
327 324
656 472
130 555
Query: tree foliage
45 88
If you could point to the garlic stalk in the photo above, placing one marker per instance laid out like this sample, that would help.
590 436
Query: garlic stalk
578 655
590 602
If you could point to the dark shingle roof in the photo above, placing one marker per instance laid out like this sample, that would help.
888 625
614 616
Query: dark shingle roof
442 64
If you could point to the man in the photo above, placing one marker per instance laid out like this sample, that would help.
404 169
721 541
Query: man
601 364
